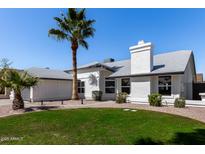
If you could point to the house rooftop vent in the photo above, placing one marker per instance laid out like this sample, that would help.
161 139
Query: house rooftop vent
108 60
141 42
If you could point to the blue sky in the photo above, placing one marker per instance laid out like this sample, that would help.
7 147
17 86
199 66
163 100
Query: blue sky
24 35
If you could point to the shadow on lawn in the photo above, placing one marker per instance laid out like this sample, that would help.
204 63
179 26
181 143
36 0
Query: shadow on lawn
148 141
192 138
40 108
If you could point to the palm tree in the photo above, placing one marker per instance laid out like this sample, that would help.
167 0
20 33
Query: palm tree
75 28
17 81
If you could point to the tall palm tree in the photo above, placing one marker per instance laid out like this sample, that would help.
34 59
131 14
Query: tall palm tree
17 81
75 28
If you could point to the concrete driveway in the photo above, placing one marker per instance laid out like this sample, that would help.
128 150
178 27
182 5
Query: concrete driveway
5 102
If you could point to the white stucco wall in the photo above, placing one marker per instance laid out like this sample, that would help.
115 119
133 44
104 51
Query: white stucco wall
177 86
141 87
51 90
83 75
141 58
154 84
100 74
106 96
188 78
141 62
118 85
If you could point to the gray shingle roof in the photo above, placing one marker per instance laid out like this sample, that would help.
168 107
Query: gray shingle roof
95 64
45 73
88 65
170 62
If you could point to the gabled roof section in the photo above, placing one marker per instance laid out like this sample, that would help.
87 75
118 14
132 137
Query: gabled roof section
45 73
94 65
171 62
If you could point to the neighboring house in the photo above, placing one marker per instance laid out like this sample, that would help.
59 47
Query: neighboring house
171 74
199 77
199 88
52 85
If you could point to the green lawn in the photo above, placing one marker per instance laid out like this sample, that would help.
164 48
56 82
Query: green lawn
100 126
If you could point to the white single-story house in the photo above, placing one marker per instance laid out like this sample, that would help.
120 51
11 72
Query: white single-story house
171 74
52 85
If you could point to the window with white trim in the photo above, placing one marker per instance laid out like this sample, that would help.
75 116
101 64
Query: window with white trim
81 87
125 85
109 86
164 85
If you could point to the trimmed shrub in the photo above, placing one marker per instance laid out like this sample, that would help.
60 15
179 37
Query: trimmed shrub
97 95
179 103
121 98
155 99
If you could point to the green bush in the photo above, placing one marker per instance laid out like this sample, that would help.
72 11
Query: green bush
155 99
179 103
97 95
121 98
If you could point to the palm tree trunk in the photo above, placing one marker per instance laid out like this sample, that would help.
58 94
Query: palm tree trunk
18 102
75 79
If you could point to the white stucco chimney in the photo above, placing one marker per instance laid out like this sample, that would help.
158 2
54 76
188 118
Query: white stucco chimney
141 58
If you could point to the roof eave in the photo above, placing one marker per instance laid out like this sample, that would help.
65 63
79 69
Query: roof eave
148 74
94 66
43 78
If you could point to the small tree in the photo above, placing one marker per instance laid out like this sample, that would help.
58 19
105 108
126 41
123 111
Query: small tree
5 63
17 81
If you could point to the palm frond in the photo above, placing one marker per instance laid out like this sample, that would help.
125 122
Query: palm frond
89 32
89 23
17 80
58 34
29 81
81 14
83 43
72 13
63 25
3 83
59 20
74 27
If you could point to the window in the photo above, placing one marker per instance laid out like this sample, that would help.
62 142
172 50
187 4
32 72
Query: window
109 86
125 85
81 87
164 85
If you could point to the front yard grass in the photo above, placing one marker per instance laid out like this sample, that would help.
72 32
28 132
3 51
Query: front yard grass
100 126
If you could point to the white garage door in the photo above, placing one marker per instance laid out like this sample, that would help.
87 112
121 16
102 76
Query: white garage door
52 90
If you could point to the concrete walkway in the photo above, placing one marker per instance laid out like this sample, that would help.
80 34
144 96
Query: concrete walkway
5 102
197 113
